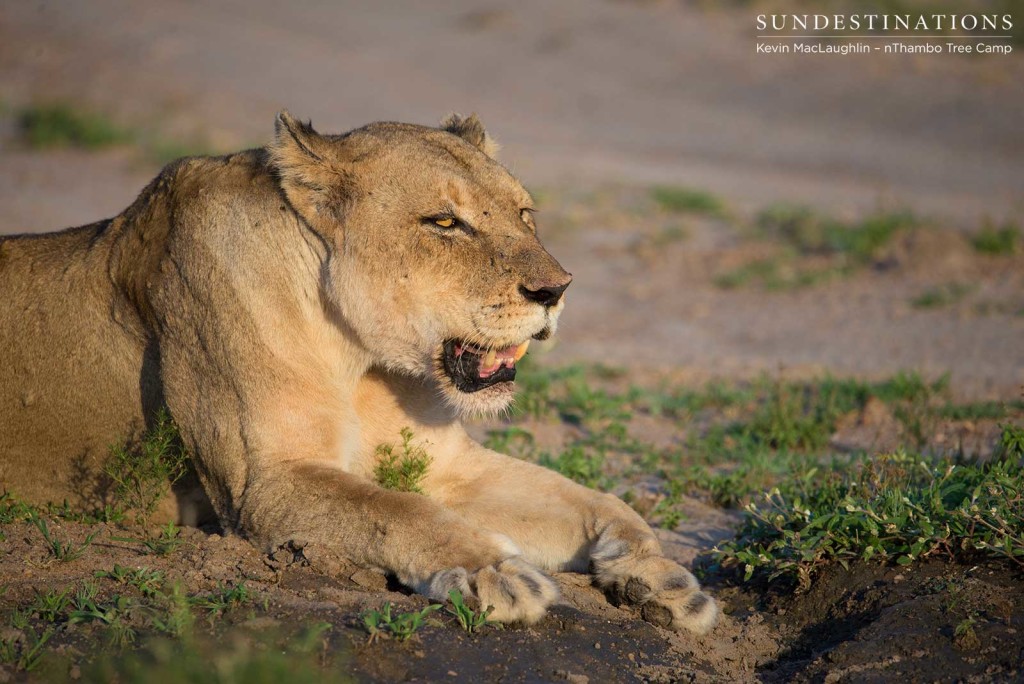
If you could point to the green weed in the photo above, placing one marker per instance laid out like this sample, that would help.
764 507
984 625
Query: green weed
225 598
999 241
147 582
687 200
579 464
964 635
61 125
893 507
841 248
12 510
401 626
51 605
234 658
941 296
175 616
24 653
166 541
404 471
142 475
470 620
510 439
981 410
1011 443
810 233
62 551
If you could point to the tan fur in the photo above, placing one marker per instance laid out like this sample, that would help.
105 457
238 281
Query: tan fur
289 306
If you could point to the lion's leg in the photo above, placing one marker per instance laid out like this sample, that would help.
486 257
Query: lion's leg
559 524
429 548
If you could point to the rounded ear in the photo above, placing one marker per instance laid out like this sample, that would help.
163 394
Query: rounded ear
472 130
312 173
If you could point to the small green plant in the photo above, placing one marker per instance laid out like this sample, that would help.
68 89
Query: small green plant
148 582
60 125
13 510
941 296
1011 443
313 637
964 635
24 653
687 200
62 551
810 233
165 542
225 598
470 620
401 626
402 470
114 614
142 475
577 463
175 616
51 605
893 507
510 439
999 241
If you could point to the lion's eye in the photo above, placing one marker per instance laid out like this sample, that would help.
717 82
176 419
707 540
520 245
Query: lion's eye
446 222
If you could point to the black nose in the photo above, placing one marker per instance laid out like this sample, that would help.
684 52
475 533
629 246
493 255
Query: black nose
548 295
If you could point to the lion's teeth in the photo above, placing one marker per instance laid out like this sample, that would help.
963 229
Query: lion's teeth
521 350
489 358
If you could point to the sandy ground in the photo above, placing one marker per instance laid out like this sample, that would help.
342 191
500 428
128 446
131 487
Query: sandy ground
583 95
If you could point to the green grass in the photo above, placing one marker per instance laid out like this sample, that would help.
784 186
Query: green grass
25 653
469 619
941 296
142 474
166 541
62 125
687 200
891 508
403 469
814 248
775 274
235 658
736 439
61 550
223 599
1000 241
401 626
145 581
811 233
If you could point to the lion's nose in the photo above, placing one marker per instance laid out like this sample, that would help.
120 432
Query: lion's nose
545 295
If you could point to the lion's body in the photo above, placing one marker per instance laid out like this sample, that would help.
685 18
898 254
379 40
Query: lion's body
293 310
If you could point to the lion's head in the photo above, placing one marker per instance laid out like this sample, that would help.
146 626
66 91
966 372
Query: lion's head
433 259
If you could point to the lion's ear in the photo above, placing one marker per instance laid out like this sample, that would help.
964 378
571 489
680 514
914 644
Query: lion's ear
313 175
472 130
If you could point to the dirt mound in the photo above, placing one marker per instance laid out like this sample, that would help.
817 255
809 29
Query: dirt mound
936 622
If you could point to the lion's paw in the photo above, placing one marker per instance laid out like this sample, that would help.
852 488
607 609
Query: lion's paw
667 593
514 590
517 591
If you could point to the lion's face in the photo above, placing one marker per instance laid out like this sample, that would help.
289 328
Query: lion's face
434 260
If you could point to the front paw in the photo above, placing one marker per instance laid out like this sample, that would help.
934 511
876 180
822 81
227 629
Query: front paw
514 590
667 593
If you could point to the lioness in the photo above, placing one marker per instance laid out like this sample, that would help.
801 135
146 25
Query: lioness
294 307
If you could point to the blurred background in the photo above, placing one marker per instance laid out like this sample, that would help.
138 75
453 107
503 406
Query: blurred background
725 213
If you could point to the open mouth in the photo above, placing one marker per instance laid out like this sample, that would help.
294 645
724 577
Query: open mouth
472 368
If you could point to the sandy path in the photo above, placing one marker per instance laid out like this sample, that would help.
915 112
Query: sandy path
581 93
